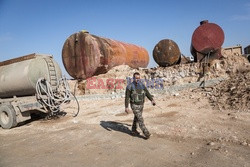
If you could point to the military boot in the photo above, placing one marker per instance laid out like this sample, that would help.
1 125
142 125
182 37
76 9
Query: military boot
135 133
147 135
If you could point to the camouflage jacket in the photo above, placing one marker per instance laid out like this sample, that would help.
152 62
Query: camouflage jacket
135 94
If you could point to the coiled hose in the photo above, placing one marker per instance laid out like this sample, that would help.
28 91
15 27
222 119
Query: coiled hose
53 99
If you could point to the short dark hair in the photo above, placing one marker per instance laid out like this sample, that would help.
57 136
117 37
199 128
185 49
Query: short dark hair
136 73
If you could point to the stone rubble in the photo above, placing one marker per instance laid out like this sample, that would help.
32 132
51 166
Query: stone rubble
233 93
173 77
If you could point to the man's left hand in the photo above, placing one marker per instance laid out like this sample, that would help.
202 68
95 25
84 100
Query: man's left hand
153 102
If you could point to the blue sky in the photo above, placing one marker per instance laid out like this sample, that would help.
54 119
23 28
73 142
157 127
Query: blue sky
42 26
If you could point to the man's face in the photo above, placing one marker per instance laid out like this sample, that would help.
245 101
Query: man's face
137 78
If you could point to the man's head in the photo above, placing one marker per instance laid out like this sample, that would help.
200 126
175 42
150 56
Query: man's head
136 77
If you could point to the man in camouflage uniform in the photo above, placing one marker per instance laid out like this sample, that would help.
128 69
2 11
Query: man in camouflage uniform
135 94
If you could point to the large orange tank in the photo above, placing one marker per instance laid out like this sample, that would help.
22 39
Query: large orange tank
85 55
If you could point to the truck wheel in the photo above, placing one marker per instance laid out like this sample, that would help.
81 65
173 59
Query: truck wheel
7 117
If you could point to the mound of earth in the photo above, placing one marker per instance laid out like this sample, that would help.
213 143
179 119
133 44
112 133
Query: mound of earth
233 93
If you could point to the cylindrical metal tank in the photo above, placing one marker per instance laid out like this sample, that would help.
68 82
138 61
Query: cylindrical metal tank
85 55
18 76
166 53
208 37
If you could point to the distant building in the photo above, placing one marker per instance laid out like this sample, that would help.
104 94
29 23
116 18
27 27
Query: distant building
234 50
247 50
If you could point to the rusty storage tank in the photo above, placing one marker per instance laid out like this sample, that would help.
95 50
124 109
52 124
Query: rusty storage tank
208 37
166 53
18 76
85 55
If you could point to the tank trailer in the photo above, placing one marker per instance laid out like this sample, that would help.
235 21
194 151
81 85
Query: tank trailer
30 84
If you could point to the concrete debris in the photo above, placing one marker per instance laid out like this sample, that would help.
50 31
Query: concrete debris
233 93
158 78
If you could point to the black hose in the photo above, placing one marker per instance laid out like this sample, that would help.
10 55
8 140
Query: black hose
78 106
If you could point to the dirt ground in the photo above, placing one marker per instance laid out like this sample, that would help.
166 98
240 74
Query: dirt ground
186 131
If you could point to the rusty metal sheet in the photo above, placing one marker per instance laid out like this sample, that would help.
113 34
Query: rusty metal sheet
85 55
166 53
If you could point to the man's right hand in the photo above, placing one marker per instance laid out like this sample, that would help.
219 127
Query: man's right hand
126 110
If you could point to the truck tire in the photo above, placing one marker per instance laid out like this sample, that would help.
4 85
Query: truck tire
7 117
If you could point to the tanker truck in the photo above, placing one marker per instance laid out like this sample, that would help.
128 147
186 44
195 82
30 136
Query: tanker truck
31 83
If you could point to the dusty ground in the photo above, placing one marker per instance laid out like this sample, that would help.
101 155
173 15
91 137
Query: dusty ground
187 131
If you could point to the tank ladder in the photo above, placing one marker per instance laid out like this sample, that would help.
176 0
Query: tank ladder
52 73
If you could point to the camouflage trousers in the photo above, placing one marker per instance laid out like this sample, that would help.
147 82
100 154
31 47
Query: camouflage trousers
138 119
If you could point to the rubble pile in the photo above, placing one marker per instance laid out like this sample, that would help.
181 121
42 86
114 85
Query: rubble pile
229 63
232 94
175 75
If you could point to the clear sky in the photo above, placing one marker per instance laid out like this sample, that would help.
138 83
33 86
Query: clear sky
42 26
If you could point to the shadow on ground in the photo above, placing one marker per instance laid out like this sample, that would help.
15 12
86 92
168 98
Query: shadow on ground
42 116
118 126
